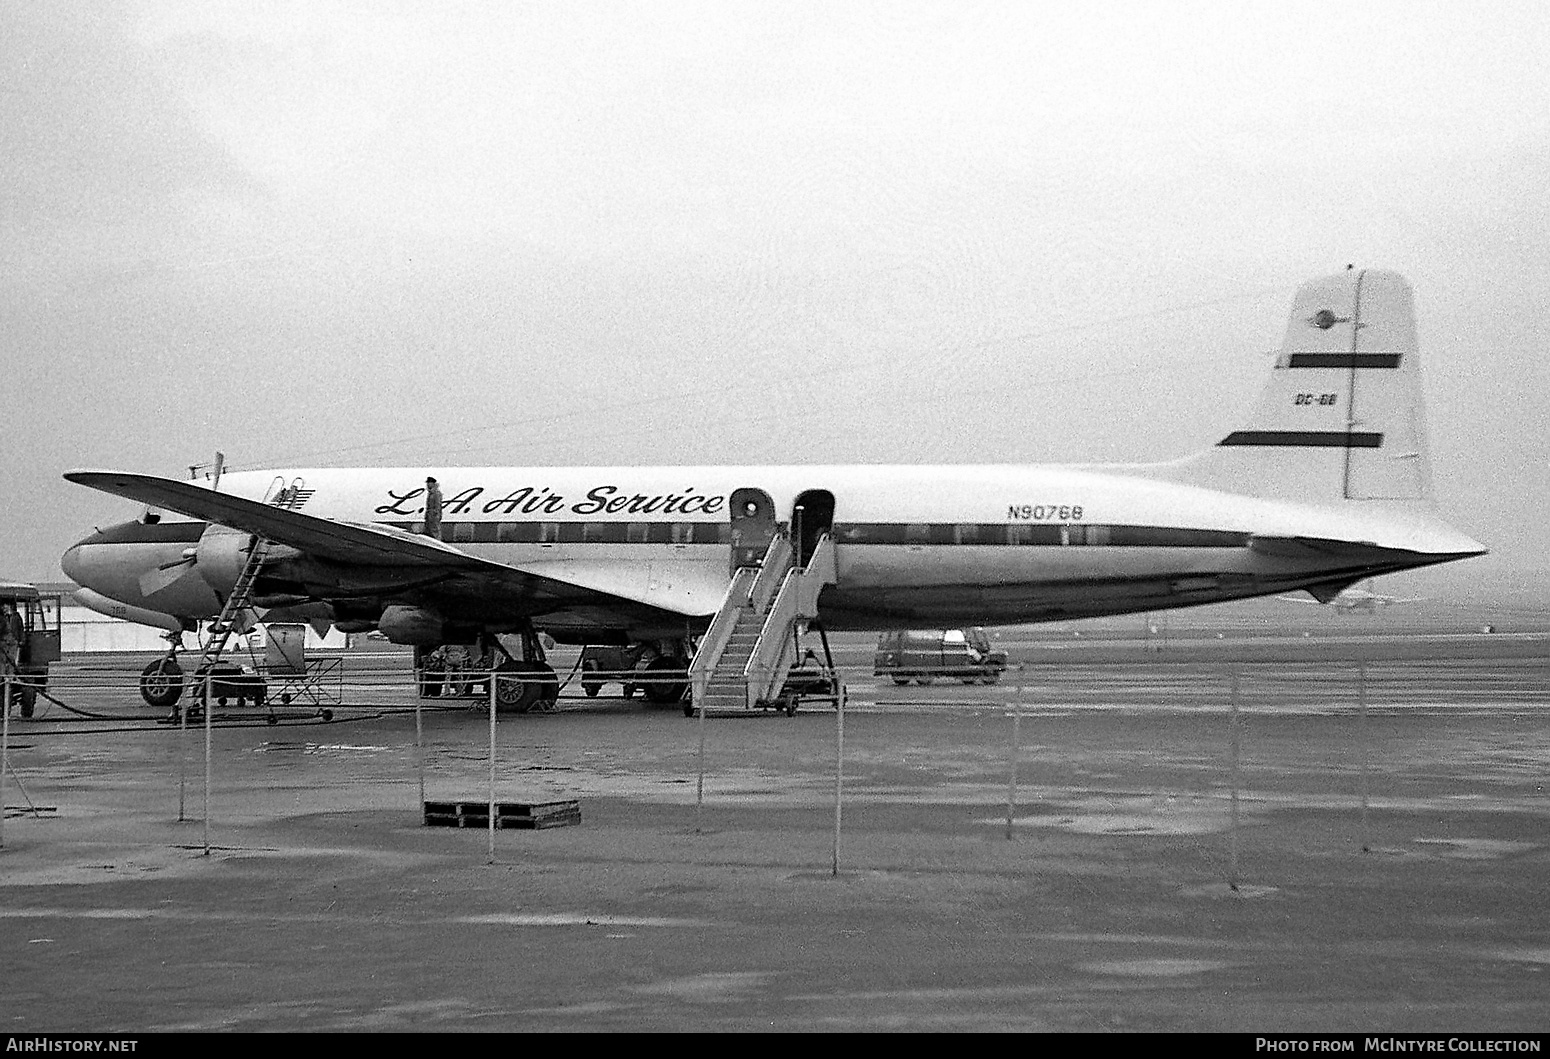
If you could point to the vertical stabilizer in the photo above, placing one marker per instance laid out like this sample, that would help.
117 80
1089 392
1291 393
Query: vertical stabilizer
1342 415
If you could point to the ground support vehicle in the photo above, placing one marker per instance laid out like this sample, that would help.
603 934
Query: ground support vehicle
37 643
923 655
649 668
604 663
811 681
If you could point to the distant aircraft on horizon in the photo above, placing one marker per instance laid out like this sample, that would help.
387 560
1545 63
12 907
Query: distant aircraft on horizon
709 574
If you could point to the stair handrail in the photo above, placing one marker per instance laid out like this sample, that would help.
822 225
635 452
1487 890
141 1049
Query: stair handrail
716 637
771 658
820 571
777 560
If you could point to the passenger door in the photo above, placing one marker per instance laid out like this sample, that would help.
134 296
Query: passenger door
753 526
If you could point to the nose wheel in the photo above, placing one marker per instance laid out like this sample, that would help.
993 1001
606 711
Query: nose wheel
161 682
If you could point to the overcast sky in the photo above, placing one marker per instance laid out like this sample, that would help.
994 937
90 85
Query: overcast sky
553 233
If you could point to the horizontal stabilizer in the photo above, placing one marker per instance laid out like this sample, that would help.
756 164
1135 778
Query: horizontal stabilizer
1330 590
1316 548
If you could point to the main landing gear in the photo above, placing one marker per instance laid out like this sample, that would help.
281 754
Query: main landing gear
526 683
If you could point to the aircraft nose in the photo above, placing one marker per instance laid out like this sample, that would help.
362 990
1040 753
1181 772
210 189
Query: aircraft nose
77 561
71 563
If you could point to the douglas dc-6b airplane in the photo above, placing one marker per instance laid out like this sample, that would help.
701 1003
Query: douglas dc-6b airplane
1324 485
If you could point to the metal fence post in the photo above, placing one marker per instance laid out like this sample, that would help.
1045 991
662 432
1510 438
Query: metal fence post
492 766
1361 736
839 779
1232 870
183 756
419 745
5 747
1013 755
699 784
209 671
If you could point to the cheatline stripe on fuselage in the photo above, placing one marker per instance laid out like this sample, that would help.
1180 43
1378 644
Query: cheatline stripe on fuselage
847 533
1304 439
997 534
1343 360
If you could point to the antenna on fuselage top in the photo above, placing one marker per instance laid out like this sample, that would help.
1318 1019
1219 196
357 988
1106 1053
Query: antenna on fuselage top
211 471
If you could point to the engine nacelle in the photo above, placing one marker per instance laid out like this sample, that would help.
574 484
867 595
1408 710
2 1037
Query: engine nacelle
421 627
220 555
222 552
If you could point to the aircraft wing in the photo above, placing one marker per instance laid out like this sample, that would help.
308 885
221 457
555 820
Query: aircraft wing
423 560
324 538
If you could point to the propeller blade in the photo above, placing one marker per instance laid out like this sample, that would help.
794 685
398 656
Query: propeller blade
163 577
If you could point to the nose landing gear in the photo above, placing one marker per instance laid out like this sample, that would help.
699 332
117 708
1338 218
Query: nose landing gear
161 682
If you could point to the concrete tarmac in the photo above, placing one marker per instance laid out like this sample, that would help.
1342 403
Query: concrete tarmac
1125 897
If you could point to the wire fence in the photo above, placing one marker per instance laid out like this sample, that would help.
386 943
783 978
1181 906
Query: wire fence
121 694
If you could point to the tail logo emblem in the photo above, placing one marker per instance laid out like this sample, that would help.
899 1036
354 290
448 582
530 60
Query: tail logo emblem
1324 319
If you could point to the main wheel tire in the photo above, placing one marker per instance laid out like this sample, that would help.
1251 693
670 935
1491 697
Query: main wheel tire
161 683
903 682
548 686
666 692
518 686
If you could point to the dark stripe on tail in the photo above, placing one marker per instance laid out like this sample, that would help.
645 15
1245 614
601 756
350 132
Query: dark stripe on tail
1303 439
1343 360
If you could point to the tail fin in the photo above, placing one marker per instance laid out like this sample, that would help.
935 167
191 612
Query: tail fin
1342 416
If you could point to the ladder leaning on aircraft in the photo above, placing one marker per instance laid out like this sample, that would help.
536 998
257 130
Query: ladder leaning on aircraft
706 575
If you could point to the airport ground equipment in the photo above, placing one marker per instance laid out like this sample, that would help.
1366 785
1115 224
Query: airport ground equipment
236 614
228 681
296 680
38 645
923 655
464 671
522 816
752 643
604 663
435 678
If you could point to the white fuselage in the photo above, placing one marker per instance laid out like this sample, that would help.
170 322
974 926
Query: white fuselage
913 545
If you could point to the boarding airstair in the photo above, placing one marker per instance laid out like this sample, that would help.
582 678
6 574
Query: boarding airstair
751 645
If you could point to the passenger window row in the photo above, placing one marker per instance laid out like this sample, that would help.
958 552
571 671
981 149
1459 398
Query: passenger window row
958 533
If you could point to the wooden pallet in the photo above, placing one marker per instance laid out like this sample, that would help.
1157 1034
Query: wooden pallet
522 816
